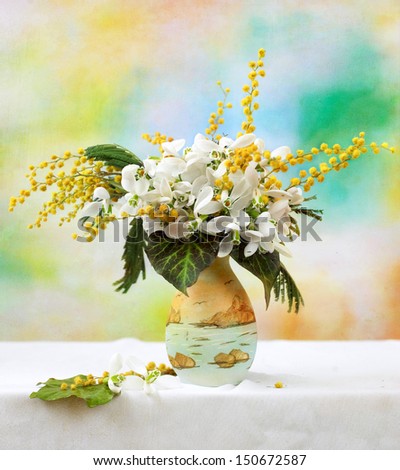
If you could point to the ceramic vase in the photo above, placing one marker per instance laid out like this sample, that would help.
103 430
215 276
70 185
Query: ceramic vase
211 334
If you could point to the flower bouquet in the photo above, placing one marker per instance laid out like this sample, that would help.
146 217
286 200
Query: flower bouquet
191 208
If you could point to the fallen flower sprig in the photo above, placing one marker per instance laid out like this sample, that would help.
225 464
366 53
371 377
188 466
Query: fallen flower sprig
96 390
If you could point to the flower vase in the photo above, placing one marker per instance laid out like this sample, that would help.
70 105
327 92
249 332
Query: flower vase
211 334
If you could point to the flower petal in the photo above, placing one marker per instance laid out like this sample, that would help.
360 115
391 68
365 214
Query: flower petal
277 193
133 382
278 209
210 208
204 197
149 389
241 203
171 167
126 209
220 171
296 195
206 145
116 363
225 247
136 365
172 148
114 388
92 209
150 166
239 189
251 176
283 249
280 152
250 249
141 186
198 158
260 145
263 217
128 177
165 189
101 193
243 141
197 184
192 172
225 142
182 186
252 235
267 246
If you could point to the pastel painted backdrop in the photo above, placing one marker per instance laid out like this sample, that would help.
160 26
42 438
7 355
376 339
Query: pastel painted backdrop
77 73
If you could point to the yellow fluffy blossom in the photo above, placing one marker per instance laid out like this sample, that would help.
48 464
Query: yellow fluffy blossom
251 91
216 119
72 187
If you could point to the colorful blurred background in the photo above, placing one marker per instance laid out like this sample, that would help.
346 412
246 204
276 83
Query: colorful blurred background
78 73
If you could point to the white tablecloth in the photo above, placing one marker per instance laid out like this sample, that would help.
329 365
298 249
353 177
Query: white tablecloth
337 395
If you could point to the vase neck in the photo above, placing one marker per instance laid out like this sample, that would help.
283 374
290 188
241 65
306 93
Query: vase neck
220 263
217 268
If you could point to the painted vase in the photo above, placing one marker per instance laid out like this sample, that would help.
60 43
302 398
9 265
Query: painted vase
211 334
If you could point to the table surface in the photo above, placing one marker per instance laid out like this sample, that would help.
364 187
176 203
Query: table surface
336 395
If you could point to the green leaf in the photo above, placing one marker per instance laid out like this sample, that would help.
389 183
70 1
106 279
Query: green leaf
181 262
113 155
133 256
285 287
94 395
315 213
265 266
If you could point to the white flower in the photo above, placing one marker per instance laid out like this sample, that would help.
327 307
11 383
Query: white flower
101 199
150 381
162 192
296 196
172 148
229 241
171 167
261 238
115 367
282 152
242 141
135 184
127 205
193 171
198 183
265 239
178 229
204 203
231 226
278 193
204 145
200 150
219 224
242 192
150 166
212 175
279 209
260 145
226 245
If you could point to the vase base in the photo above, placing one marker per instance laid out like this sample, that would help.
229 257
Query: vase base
211 356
